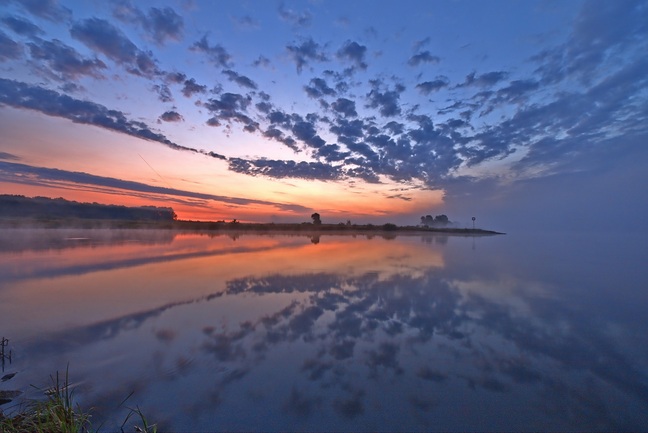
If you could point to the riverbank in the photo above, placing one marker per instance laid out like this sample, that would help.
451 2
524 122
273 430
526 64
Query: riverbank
235 226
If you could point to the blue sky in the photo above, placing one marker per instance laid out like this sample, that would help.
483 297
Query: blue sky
521 113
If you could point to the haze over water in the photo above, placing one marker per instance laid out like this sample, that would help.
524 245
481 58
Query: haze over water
348 333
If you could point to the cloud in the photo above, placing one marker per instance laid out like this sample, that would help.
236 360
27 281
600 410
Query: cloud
160 24
231 107
350 407
386 101
306 132
98 34
423 57
318 88
21 173
9 49
488 79
190 88
353 52
241 80
46 9
164 92
428 87
307 51
420 44
8 156
385 356
245 22
164 24
275 134
22 95
261 61
216 54
517 91
297 19
175 77
65 60
345 106
22 26
285 169
171 116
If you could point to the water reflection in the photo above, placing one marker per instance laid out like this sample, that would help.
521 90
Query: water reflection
347 333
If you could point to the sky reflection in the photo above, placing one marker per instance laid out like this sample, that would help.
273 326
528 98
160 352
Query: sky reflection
279 333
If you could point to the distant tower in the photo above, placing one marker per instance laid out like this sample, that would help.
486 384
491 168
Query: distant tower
473 218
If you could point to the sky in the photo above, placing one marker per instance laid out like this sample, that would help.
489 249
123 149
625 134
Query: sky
518 113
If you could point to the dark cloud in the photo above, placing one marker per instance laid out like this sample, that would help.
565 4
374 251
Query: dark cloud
216 54
160 24
241 80
423 57
164 24
342 350
65 60
420 44
426 373
285 169
22 26
22 95
264 107
175 77
171 116
428 87
384 357
318 88
353 52
21 173
47 9
245 22
297 19
350 128
190 88
307 51
517 91
9 49
488 79
98 34
275 134
600 29
395 127
562 131
387 101
8 156
351 407
164 92
262 61
231 107
345 106
306 132
302 404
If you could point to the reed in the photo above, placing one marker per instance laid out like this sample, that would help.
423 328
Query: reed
56 414
59 414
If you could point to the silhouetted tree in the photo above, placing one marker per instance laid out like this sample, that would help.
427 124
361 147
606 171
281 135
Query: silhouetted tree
316 218
439 220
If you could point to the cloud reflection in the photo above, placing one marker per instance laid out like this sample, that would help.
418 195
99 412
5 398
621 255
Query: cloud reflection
338 341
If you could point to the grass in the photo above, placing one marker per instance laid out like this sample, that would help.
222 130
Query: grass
56 414
59 414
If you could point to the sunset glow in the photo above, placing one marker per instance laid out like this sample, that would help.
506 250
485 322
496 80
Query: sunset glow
363 111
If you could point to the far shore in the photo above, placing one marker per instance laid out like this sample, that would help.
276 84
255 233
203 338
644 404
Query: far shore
235 226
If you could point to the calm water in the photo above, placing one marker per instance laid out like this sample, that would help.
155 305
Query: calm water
262 333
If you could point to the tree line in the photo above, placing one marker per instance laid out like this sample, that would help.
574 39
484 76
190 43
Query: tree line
43 208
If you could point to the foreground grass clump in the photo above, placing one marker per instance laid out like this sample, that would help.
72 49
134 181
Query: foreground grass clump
58 414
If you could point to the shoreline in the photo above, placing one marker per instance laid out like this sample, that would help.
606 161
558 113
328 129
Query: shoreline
238 227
